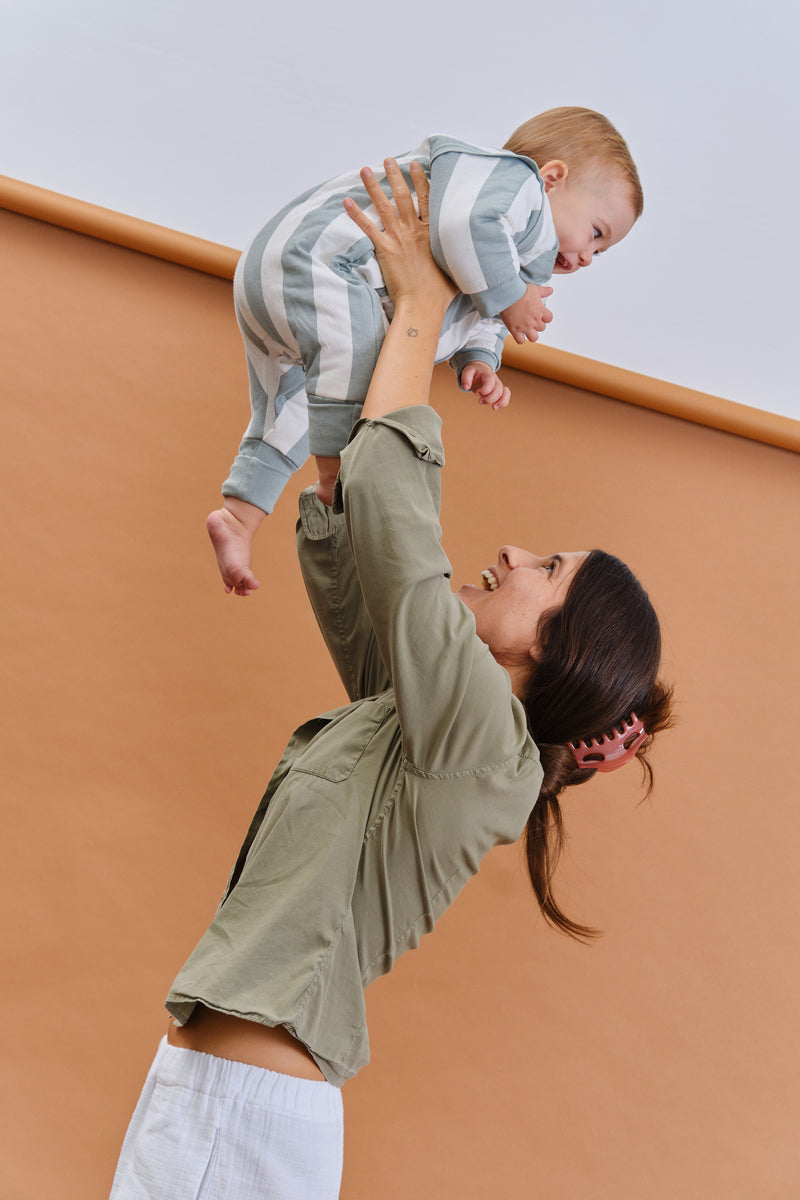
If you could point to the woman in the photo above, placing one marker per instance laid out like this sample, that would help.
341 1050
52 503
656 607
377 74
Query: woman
463 709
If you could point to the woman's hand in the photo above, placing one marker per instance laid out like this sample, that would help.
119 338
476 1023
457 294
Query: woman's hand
402 247
421 293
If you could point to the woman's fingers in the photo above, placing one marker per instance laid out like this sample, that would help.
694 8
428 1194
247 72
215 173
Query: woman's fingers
380 202
403 196
423 188
361 219
402 211
403 199
379 199
399 234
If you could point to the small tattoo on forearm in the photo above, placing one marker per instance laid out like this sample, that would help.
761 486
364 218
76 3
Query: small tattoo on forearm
411 333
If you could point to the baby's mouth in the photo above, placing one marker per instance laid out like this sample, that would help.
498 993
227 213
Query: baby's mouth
489 580
563 262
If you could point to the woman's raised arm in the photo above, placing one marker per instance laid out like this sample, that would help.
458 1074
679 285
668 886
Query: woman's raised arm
453 701
421 294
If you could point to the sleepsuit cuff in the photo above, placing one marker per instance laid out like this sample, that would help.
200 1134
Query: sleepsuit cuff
460 360
260 473
500 297
330 423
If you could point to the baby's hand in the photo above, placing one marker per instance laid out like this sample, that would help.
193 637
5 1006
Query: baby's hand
479 378
527 317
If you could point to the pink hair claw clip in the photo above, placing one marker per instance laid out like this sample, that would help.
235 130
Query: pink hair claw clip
609 751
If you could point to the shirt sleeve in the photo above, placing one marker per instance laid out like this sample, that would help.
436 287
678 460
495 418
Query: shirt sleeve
454 702
480 209
329 573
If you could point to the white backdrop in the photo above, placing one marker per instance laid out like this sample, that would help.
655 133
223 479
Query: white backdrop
208 117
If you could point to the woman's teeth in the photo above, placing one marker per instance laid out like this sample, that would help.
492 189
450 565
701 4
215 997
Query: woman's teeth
488 580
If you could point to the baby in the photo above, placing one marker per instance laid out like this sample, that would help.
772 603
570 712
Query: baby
313 309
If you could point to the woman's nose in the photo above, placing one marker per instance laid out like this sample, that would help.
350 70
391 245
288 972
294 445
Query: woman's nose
512 557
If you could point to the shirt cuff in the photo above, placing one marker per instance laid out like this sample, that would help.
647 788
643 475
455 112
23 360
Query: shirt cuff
419 426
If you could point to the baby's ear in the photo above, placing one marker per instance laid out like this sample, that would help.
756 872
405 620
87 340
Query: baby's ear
554 173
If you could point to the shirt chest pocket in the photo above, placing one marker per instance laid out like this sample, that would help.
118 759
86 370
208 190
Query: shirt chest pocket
341 743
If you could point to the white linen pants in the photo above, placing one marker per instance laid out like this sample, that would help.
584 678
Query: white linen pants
206 1128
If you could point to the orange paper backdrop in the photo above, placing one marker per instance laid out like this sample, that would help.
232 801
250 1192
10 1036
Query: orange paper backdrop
145 709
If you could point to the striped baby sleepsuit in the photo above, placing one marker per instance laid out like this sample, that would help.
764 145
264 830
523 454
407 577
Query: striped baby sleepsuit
313 309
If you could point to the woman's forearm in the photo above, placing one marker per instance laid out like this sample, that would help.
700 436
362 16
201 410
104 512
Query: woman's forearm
403 373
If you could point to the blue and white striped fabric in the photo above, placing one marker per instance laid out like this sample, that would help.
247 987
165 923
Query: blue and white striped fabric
313 309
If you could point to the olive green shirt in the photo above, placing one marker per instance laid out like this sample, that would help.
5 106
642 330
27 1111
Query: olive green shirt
378 812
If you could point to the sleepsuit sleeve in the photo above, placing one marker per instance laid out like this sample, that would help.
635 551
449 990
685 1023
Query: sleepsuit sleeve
490 221
484 344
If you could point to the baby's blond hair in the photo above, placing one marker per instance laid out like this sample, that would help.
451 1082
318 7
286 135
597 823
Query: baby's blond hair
581 138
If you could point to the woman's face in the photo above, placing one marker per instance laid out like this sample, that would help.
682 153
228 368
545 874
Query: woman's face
512 598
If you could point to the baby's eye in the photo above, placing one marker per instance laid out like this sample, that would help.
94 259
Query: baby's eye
597 232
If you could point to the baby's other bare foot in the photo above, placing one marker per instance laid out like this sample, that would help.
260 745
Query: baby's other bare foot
232 542
325 492
328 469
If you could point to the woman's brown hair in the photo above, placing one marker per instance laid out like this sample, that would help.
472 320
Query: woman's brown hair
597 661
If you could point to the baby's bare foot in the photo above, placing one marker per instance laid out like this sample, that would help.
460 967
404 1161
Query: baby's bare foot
328 469
232 542
325 492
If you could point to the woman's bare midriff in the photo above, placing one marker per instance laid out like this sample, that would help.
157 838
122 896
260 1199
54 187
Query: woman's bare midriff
216 1033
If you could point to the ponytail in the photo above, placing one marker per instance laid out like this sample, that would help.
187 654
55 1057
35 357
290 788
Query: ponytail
597 659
